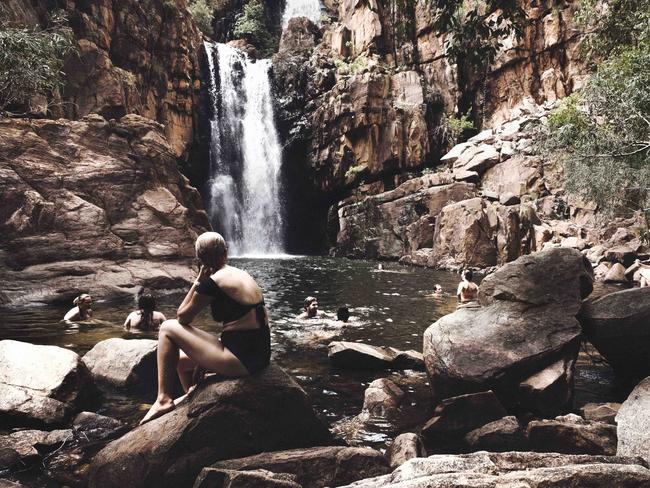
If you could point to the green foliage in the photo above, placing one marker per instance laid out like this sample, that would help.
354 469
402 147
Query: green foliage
251 25
613 25
604 133
203 15
452 127
476 29
31 61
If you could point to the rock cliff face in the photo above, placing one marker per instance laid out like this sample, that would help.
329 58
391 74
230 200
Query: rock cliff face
134 57
369 99
92 206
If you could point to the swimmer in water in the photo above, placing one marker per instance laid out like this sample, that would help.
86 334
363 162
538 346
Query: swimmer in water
467 289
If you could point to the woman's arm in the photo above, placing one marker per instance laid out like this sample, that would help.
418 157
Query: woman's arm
73 314
190 309
127 322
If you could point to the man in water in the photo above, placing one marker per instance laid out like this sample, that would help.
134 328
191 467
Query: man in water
467 289
310 308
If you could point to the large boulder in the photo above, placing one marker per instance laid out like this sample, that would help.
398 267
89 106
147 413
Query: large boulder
618 325
316 467
220 420
514 469
571 434
501 435
256 478
633 423
93 206
41 385
454 417
524 324
405 446
123 362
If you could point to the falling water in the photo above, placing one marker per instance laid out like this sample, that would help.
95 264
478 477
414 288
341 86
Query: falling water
245 154
302 8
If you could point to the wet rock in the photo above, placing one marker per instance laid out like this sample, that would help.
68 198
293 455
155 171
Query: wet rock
27 443
95 427
601 412
219 420
257 478
364 356
112 188
33 395
456 416
318 466
382 398
633 423
615 274
571 434
405 446
514 469
617 325
549 391
501 435
123 362
526 323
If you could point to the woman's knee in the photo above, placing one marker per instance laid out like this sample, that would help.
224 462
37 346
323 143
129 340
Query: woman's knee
169 326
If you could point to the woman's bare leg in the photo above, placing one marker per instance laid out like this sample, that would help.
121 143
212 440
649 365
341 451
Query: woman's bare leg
201 347
185 370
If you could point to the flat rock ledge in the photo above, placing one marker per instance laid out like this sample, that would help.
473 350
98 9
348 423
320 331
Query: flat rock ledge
354 355
514 469
219 420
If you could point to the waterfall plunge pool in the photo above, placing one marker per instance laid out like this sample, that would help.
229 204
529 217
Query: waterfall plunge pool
389 308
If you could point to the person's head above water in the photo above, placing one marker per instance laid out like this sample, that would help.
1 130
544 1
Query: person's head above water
437 288
83 301
468 275
211 250
311 306
343 314
146 300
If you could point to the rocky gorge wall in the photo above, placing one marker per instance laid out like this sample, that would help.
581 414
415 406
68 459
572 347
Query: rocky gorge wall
93 196
361 106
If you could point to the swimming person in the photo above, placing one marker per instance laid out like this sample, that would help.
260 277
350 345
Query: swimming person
467 289
310 309
82 309
236 300
146 317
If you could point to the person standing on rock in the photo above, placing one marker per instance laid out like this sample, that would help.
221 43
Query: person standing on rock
467 289
146 317
237 301
82 308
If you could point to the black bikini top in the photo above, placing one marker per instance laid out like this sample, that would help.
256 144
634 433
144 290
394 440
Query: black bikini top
224 308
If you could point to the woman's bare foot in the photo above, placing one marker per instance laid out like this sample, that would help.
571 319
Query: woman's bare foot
159 408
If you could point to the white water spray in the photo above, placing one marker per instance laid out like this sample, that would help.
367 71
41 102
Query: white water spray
245 154
302 8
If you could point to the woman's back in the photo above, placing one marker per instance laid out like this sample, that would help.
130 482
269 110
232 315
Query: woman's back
143 321
238 285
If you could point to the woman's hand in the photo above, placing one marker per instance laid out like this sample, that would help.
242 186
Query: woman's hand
204 274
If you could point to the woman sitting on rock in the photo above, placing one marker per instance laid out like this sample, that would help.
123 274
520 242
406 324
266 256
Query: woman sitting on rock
81 309
237 301
146 317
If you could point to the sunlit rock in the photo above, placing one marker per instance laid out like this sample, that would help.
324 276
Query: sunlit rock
41 385
316 467
219 420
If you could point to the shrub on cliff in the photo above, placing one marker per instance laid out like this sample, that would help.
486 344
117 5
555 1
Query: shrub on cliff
602 134
203 15
251 26
31 61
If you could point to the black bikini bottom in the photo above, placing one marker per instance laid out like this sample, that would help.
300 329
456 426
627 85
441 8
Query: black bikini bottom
251 347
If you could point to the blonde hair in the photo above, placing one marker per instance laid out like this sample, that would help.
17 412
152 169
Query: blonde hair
80 298
211 249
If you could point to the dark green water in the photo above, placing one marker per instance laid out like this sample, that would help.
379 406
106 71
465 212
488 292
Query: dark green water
388 308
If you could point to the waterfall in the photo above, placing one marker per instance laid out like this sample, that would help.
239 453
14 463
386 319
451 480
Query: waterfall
302 8
245 154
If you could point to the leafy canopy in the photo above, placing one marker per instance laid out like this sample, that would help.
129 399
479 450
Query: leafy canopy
31 61
602 133
202 13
